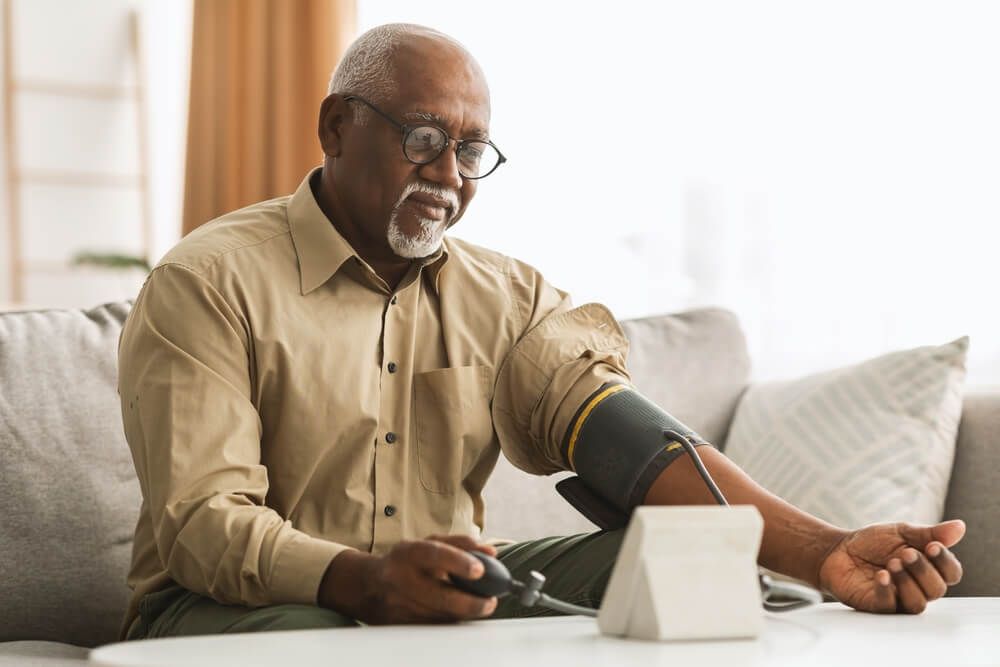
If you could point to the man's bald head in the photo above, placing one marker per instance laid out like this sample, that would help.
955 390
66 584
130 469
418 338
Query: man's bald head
374 64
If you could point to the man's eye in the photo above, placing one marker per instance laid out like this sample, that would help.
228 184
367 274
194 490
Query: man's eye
424 139
471 154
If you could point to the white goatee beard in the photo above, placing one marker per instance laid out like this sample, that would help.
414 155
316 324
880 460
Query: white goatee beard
425 243
428 239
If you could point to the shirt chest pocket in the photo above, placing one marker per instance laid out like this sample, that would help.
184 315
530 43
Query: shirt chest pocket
453 424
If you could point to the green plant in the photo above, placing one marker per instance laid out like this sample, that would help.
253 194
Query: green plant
111 260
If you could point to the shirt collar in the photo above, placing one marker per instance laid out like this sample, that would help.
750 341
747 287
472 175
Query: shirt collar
321 249
435 263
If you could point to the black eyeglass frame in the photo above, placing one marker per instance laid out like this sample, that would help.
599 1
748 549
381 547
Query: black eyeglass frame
406 129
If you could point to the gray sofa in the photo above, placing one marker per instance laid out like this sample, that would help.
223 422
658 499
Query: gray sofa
69 498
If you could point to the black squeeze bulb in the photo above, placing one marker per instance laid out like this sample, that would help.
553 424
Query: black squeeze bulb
495 579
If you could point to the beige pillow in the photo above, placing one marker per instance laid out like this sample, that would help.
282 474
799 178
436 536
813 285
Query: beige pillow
863 444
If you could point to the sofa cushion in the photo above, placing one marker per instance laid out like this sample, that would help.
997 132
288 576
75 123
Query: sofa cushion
868 443
41 654
69 497
694 364
974 478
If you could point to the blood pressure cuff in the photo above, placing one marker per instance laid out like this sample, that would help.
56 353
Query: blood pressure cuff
616 444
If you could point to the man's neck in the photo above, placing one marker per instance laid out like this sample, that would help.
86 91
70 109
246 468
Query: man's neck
392 275
388 266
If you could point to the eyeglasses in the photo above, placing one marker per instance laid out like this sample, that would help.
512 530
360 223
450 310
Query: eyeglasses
422 144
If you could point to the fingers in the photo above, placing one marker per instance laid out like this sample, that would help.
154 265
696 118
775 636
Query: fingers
926 575
918 578
442 558
949 533
465 543
459 604
885 595
437 601
413 586
433 601
945 562
439 559
909 596
443 601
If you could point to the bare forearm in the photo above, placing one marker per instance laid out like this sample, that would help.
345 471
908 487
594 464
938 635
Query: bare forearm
794 542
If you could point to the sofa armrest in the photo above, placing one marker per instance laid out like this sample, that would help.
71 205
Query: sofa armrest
973 492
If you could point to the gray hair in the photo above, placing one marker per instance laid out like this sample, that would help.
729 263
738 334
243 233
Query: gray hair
366 68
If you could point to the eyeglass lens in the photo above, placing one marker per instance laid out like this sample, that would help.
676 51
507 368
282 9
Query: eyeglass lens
424 143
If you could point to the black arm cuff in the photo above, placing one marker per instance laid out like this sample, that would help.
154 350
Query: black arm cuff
616 444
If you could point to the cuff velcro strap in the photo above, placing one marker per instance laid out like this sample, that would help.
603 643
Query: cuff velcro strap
616 444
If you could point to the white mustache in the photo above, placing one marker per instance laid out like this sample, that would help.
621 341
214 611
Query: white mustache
449 196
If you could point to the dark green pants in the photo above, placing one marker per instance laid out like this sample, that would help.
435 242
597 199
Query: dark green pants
576 569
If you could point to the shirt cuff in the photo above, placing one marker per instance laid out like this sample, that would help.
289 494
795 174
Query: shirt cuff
300 567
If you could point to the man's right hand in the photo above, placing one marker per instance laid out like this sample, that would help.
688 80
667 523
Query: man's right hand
409 584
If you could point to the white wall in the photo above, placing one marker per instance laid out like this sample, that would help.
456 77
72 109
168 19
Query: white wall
88 44
827 170
168 31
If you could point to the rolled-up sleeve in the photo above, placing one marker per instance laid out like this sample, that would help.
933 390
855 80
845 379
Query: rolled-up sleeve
564 355
185 386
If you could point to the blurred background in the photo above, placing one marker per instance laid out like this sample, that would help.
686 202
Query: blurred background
830 171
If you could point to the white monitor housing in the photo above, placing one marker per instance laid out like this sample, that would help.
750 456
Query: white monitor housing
686 572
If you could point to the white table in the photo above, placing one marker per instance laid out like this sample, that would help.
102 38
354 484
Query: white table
953 631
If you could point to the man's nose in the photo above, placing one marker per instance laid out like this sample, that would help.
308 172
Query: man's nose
443 170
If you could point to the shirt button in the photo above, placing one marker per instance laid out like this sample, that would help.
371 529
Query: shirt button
393 300
390 437
389 510
392 366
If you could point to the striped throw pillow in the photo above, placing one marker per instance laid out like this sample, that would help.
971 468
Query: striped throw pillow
863 444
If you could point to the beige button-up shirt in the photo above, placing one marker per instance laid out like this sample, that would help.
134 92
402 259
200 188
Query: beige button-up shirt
283 404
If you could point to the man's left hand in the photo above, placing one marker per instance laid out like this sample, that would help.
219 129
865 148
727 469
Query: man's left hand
894 567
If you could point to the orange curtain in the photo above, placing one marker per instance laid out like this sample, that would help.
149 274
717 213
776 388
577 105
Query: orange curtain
259 70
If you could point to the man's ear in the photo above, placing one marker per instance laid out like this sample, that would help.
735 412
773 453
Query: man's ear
333 115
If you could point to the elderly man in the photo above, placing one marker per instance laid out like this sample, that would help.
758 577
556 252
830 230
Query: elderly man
316 388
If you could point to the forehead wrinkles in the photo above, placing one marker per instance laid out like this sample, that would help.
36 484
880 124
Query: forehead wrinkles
436 75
